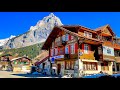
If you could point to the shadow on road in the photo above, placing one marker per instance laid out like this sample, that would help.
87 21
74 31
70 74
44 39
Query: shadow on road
34 75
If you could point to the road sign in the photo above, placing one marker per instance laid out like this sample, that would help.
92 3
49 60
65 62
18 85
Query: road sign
81 53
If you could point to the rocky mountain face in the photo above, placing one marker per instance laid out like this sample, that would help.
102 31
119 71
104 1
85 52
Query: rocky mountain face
36 34
4 41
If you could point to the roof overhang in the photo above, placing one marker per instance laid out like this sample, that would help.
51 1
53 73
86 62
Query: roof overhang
56 31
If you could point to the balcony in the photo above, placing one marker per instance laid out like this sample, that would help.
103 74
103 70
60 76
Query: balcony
89 56
67 56
60 43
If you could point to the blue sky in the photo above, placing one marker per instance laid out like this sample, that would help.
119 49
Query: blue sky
15 23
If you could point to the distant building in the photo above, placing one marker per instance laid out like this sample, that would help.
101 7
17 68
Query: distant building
21 64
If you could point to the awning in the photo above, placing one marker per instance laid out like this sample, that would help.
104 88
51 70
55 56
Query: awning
86 60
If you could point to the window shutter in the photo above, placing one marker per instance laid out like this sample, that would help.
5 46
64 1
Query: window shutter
82 47
51 52
76 47
69 37
69 49
58 51
89 48
63 50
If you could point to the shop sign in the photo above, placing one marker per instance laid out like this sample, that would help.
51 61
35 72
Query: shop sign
56 57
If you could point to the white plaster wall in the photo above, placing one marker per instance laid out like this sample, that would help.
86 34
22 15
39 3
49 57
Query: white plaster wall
69 71
110 71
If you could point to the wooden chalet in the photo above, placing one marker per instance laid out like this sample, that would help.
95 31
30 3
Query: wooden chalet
4 61
93 48
21 64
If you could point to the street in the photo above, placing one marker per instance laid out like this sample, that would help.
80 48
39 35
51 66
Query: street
7 74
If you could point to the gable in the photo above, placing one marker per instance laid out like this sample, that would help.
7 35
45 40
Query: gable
107 31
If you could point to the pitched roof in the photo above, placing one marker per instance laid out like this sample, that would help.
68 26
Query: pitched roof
103 27
55 32
19 58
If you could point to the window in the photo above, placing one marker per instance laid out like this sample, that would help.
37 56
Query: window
72 48
90 35
108 51
89 66
72 64
99 50
85 33
69 65
72 37
86 48
56 51
52 52
52 44
66 50
63 38
66 37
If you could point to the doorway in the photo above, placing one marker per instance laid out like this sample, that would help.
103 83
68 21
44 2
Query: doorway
58 68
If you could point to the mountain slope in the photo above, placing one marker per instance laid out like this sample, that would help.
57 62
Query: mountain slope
31 51
36 34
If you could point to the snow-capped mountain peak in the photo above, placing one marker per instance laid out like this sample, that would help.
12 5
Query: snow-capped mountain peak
3 41
50 21
36 34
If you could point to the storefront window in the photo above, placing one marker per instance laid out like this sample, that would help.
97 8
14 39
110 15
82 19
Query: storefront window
72 64
69 65
89 66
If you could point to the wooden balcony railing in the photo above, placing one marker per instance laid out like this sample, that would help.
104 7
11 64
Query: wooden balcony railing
90 56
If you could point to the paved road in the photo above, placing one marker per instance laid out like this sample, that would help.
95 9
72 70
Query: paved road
6 74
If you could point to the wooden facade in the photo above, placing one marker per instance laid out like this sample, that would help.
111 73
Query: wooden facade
64 42
21 64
